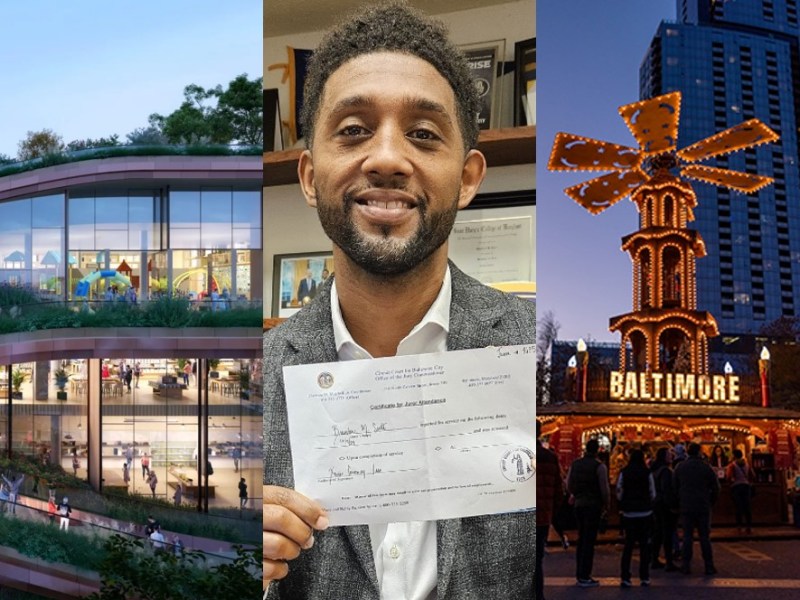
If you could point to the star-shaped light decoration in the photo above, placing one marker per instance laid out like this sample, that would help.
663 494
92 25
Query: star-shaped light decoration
654 124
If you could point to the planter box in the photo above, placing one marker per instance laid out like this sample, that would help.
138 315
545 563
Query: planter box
16 395
61 395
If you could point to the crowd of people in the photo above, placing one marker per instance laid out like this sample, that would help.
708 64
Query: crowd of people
662 499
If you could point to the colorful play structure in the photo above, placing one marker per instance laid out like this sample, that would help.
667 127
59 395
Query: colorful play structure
82 289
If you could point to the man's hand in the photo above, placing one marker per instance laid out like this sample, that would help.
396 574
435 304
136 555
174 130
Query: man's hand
289 523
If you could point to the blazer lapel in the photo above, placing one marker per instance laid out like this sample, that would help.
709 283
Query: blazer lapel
362 548
474 315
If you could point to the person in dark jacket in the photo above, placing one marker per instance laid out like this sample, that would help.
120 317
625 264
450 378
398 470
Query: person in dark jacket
587 481
697 489
664 511
636 491
549 494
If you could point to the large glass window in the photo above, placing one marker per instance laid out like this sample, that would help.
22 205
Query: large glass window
215 219
128 220
216 214
31 243
150 423
47 425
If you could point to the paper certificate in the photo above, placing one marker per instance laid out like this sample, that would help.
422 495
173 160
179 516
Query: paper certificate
415 438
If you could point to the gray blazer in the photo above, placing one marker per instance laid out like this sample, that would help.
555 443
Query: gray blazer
478 557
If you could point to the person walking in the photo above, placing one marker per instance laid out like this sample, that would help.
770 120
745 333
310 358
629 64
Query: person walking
242 493
64 510
187 371
664 511
697 489
3 497
145 466
126 474
128 377
157 539
678 456
177 547
129 456
51 509
740 475
13 490
137 372
178 495
152 479
549 495
636 491
587 481
150 526
236 454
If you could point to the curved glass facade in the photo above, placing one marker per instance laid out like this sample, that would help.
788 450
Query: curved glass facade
188 241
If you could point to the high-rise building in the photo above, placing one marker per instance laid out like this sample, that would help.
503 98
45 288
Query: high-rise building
735 61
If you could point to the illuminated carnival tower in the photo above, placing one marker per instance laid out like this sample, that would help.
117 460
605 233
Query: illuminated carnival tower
664 329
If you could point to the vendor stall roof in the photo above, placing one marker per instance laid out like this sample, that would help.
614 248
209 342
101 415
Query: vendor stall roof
671 409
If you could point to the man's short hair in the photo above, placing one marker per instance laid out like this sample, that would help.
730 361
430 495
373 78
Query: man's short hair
694 449
592 446
391 27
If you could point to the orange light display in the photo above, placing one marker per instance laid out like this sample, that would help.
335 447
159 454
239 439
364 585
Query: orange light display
665 331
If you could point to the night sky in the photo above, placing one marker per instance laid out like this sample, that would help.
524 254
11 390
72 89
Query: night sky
588 56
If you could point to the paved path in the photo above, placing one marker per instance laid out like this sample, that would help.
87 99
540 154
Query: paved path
766 561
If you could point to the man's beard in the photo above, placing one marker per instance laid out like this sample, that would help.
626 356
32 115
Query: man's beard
381 254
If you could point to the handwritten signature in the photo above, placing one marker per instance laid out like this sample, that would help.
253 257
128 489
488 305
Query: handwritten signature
347 436
349 472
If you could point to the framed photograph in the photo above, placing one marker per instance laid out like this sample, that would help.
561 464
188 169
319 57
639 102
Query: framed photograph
525 82
295 280
273 129
485 60
496 242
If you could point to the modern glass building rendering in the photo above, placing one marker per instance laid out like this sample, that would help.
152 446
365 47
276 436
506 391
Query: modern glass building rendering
110 238
181 231
735 61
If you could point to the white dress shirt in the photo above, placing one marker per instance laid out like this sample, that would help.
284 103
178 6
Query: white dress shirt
405 553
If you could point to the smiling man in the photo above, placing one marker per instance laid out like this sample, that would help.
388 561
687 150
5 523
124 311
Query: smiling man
391 119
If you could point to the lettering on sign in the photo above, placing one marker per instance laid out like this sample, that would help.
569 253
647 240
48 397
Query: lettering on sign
685 387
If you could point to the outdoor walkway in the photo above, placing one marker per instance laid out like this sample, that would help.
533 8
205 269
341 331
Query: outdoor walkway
80 518
784 531
763 561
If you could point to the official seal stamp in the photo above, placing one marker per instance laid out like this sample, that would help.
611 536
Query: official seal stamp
517 464
325 380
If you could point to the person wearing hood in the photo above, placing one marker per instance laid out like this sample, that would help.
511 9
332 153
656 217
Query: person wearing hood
679 452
